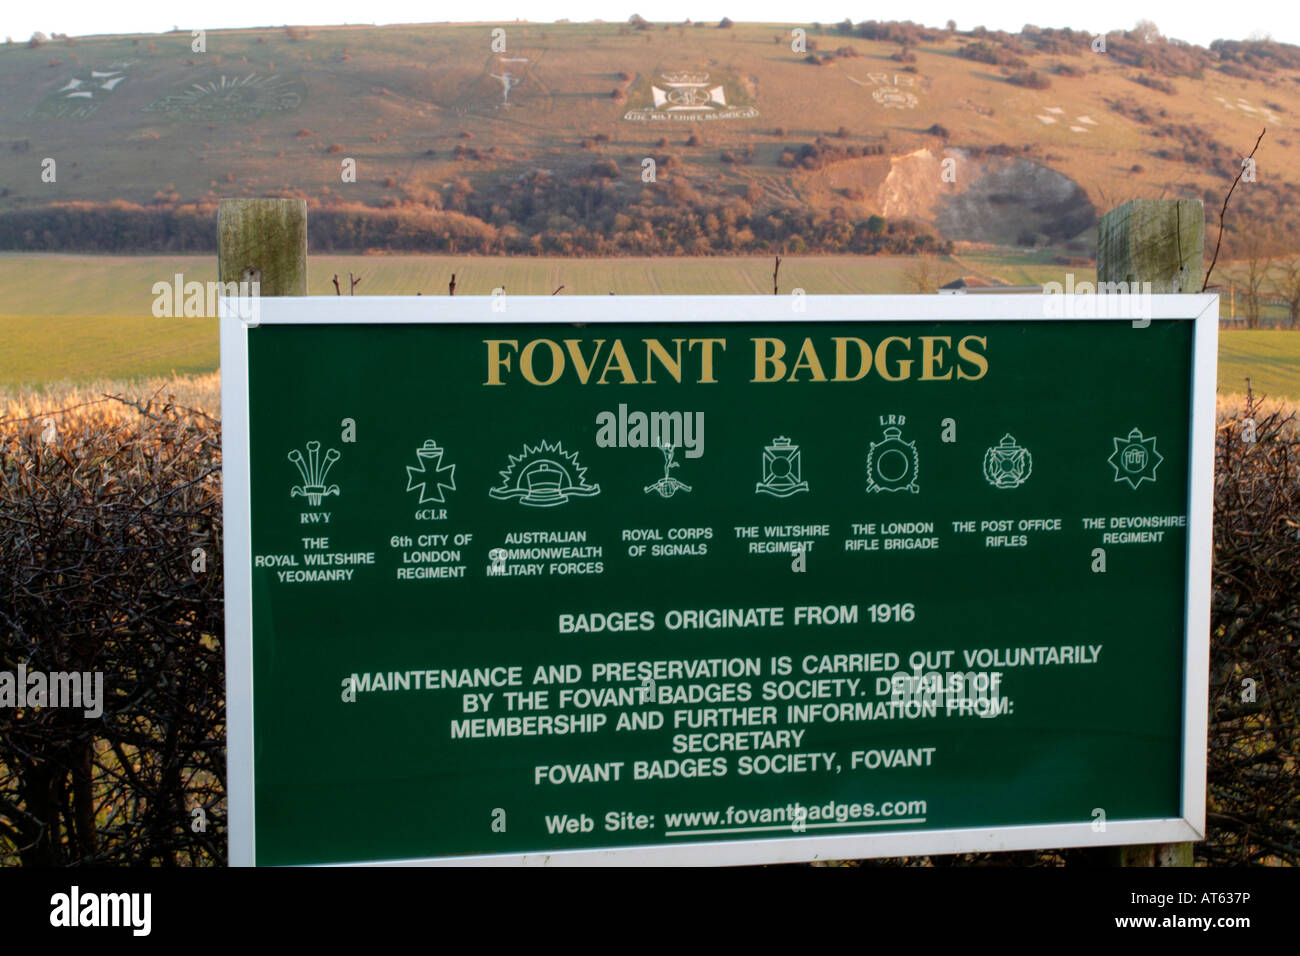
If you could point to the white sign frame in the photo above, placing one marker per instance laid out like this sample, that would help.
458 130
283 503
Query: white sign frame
1201 309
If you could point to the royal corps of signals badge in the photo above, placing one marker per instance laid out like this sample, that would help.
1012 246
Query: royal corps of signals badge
893 464
1007 465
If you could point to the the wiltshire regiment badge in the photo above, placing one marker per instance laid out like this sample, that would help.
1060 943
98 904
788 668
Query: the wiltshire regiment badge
893 464
1007 465
690 96
1135 459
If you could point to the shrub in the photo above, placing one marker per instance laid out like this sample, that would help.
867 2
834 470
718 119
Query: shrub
1031 79
96 554
1155 83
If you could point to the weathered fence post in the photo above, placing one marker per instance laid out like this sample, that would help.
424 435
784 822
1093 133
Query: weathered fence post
266 240
1161 241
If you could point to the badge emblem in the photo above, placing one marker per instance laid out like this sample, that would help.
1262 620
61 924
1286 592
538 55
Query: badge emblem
544 476
314 472
1007 465
782 470
667 486
1135 459
893 464
431 477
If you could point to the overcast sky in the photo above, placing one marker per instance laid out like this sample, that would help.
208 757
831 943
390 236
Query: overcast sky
1198 23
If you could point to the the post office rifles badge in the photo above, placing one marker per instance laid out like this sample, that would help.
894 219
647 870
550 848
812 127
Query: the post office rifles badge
1007 465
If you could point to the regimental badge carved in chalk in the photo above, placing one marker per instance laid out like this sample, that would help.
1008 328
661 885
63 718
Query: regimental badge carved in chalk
81 96
690 95
231 98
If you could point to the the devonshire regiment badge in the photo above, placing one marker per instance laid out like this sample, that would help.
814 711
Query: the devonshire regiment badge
1135 459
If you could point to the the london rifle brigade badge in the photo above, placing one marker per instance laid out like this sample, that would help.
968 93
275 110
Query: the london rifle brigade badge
1007 465
893 464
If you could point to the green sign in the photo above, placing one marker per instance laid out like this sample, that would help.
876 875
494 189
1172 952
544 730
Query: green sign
715 579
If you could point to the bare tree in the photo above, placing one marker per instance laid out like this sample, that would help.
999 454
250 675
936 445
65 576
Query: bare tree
1289 286
1255 247
926 273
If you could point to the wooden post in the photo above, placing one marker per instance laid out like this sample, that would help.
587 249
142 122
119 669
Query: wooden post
266 240
263 240
1161 241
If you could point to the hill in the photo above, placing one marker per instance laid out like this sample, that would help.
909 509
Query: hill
860 138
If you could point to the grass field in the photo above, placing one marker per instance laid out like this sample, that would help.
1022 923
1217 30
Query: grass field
79 319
